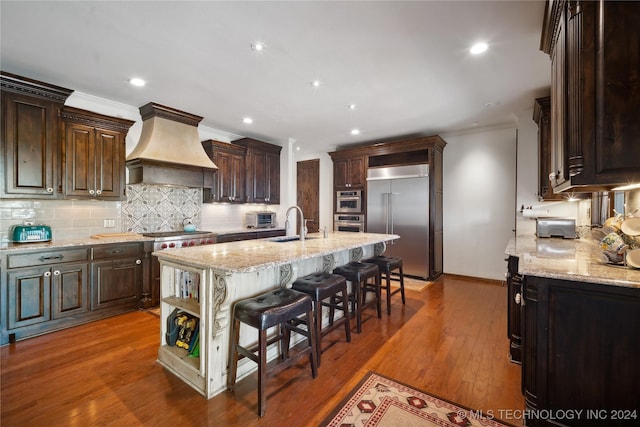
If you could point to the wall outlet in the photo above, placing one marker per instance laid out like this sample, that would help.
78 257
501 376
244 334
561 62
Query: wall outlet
109 223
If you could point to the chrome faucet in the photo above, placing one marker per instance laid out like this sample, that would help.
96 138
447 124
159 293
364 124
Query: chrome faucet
303 224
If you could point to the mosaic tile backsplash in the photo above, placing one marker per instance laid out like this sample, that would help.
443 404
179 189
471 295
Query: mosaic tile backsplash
151 208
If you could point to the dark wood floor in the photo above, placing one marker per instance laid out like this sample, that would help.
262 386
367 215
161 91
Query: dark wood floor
449 340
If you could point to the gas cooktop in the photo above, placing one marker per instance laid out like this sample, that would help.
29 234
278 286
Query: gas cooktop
161 234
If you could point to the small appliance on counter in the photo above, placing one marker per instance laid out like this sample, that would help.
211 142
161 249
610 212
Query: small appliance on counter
28 233
261 219
556 227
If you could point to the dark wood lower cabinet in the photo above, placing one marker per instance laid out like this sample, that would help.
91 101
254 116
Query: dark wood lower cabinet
54 289
581 343
514 295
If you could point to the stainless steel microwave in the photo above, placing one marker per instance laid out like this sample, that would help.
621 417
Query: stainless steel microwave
261 219
349 201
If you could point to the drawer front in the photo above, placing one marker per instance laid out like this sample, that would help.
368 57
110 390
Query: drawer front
118 251
46 257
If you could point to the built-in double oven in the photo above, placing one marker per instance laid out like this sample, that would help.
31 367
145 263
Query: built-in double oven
349 214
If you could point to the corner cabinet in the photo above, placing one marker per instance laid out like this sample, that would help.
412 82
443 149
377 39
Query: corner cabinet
229 180
595 95
30 137
580 347
262 171
94 154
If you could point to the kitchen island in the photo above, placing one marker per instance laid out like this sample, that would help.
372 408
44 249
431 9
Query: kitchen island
222 274
574 324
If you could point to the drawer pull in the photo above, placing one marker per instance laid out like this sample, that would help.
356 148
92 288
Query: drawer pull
116 251
49 258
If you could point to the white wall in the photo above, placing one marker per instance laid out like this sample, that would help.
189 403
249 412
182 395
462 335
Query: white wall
479 201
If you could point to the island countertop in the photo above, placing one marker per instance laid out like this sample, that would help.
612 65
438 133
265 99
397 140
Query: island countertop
569 259
252 255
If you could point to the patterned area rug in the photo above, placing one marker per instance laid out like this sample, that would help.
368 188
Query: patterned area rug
382 402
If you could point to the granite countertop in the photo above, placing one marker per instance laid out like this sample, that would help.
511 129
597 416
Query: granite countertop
569 259
252 255
68 243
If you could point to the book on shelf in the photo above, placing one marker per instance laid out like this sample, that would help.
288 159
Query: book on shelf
187 284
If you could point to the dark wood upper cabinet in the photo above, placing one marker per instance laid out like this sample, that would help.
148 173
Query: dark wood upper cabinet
262 171
595 93
30 137
94 154
349 172
229 180
542 117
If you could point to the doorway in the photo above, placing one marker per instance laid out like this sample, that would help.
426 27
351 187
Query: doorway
308 192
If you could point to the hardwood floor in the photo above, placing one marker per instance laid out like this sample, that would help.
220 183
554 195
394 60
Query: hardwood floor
449 340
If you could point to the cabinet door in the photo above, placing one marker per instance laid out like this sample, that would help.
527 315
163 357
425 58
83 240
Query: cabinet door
558 107
30 144
29 296
357 172
340 173
70 289
529 325
349 173
237 178
264 177
109 160
80 161
273 178
116 282
514 295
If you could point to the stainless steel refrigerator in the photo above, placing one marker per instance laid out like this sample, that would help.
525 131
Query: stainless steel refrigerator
398 203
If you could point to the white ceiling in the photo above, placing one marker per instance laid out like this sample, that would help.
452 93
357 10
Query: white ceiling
406 65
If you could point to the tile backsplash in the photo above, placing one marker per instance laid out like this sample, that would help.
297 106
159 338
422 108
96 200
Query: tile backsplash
160 208
69 219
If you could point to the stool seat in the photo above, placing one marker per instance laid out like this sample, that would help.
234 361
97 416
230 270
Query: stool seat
272 308
387 265
321 286
359 273
281 308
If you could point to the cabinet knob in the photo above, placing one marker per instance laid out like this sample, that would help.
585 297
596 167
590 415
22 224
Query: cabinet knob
49 190
47 274
98 192
552 176
518 298
92 192
138 261
56 273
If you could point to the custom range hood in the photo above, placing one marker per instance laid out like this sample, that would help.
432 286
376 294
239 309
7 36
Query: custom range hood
169 151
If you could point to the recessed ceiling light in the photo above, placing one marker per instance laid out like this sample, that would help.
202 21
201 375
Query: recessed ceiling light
315 83
257 46
247 120
355 131
478 48
137 82
352 106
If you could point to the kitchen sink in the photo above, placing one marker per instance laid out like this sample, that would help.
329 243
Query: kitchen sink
283 239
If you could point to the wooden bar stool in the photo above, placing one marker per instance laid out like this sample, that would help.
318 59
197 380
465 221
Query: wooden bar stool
320 287
386 265
359 273
274 308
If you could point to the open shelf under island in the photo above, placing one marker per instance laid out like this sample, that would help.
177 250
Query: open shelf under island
229 272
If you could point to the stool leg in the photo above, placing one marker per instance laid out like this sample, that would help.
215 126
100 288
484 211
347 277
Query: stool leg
262 373
285 338
359 302
379 295
345 311
402 285
314 344
318 326
233 355
388 289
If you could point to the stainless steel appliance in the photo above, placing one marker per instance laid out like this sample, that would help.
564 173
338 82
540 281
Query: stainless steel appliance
349 201
168 240
556 227
348 222
398 203
261 219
